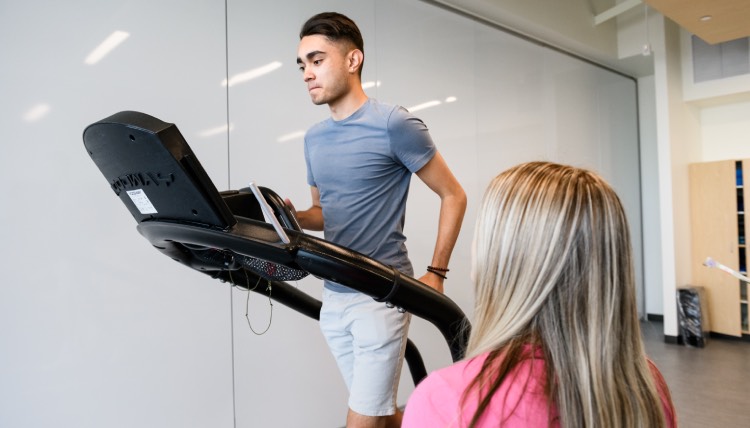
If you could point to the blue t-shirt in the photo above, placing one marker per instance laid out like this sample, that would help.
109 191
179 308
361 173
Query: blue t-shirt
362 167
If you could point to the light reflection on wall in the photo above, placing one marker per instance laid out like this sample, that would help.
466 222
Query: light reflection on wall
252 74
105 47
216 131
37 112
430 104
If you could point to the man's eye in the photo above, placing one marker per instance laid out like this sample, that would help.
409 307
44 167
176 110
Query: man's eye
317 61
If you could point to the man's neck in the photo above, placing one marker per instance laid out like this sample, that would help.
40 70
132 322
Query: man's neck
347 105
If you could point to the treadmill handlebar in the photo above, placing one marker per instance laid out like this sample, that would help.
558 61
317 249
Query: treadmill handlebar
324 260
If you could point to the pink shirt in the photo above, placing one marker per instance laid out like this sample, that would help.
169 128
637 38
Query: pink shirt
436 402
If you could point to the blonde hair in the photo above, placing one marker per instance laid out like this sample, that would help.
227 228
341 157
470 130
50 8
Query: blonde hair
553 269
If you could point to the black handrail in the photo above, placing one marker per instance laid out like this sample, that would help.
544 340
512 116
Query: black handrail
323 260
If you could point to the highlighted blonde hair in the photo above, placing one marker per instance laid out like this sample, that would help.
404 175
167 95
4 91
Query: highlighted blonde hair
553 269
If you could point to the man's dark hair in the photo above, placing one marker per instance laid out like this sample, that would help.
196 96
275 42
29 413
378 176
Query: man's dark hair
336 28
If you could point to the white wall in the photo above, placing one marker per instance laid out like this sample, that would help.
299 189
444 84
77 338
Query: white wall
101 330
652 245
725 132
98 329
678 145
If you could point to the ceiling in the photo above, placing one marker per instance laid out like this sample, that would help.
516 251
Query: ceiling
729 19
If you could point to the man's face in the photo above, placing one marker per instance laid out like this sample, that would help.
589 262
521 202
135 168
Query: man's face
324 68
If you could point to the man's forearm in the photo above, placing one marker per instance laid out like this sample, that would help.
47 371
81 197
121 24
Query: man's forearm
452 209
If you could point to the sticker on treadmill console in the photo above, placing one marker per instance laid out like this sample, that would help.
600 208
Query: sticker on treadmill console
141 201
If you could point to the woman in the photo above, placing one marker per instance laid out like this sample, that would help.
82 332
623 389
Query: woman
556 338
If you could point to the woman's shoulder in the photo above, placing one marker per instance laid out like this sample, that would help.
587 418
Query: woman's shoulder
439 399
452 379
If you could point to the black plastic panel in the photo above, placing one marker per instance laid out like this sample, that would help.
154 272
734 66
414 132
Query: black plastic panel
150 167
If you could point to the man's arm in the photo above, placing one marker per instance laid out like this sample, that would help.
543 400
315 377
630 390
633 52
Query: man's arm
311 218
438 177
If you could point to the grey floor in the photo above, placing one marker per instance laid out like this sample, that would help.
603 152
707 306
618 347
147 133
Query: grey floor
710 386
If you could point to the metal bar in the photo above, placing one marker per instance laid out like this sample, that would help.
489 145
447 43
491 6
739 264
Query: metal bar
615 11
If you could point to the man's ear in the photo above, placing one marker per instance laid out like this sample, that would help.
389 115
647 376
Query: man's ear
355 58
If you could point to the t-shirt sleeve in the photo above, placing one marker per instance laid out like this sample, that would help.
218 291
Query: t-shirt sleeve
434 403
410 139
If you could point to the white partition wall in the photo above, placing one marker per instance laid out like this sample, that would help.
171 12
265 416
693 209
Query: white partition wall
99 329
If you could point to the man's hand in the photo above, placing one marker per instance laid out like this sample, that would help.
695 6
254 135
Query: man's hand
311 218
433 281
290 205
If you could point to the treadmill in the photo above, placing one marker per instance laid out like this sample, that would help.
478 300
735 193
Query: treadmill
150 167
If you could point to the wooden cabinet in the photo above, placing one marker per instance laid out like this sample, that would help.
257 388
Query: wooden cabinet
717 219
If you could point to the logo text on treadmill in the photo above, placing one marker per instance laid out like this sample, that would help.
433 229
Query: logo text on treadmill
140 179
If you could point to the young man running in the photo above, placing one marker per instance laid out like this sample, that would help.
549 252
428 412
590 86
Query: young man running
359 166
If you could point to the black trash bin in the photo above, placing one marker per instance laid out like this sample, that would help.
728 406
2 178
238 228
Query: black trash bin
692 314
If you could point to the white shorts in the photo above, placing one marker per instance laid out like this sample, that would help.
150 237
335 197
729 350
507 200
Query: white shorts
368 340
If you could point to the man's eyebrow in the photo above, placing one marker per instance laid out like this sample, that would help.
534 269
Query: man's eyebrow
309 56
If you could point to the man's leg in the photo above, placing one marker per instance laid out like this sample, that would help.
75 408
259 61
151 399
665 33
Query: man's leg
335 325
379 341
355 420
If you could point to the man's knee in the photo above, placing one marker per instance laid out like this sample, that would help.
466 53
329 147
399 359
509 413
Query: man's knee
357 420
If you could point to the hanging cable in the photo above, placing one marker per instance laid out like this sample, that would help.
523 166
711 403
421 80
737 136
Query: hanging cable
247 308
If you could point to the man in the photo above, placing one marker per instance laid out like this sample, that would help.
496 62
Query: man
359 165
